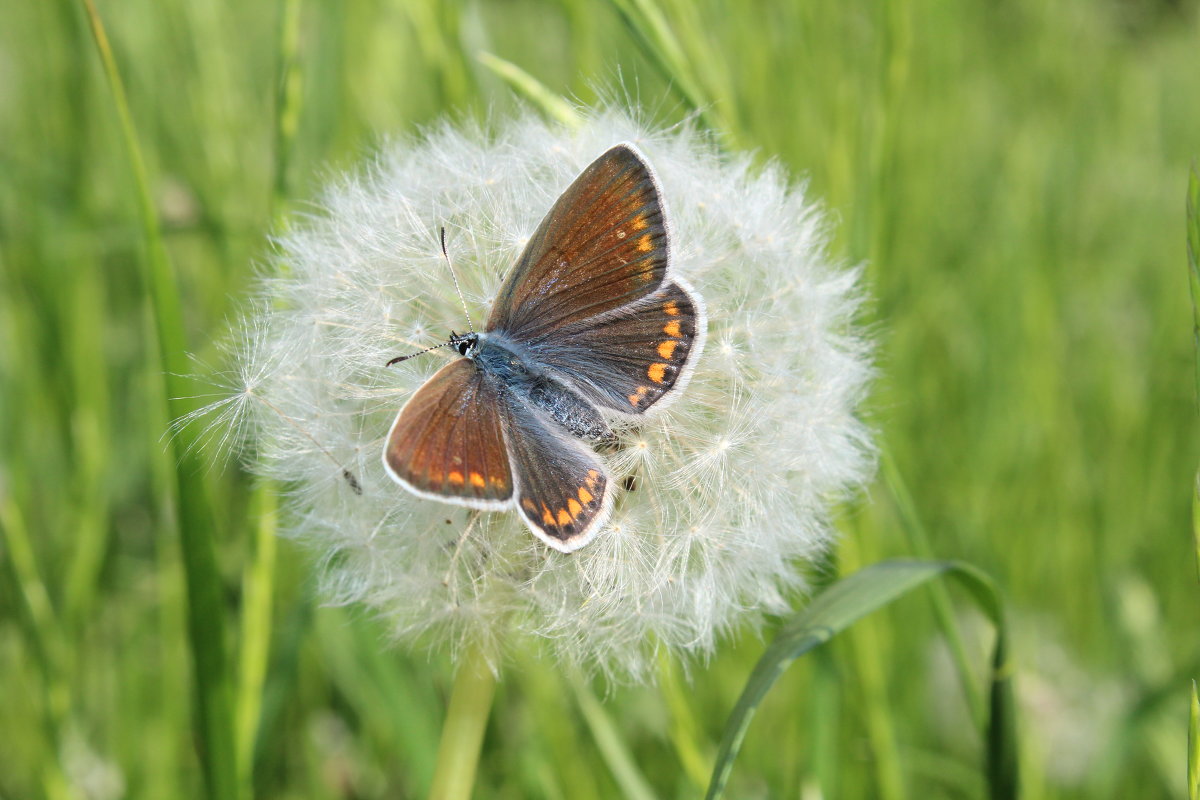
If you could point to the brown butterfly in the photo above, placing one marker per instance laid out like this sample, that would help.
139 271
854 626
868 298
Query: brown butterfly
590 321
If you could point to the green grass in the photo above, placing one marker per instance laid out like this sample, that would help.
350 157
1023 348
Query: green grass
1014 176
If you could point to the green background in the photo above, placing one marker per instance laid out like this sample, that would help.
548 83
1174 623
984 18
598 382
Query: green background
1011 173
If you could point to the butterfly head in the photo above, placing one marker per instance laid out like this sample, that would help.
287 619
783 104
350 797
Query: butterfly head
466 344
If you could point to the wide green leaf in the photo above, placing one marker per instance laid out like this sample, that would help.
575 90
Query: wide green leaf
843 604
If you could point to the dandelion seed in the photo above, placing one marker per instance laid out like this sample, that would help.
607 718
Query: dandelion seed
722 496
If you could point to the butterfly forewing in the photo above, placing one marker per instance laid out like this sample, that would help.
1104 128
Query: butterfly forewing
632 358
447 442
602 246
562 490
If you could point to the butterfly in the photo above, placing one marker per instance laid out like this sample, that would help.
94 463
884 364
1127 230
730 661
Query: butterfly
590 322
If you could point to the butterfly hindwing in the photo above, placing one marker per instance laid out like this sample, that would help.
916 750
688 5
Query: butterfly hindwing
562 490
630 359
602 246
448 441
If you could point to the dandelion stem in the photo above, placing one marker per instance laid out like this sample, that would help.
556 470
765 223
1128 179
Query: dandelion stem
462 734
255 640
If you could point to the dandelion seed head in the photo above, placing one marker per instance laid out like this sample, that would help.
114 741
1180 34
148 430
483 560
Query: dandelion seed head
724 495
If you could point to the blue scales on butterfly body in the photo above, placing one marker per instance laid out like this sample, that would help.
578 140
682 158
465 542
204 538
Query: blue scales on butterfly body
499 356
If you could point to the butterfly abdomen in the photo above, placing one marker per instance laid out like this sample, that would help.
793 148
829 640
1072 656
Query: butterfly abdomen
566 408
517 374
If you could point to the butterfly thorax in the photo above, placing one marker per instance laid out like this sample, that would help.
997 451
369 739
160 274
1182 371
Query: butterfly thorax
498 356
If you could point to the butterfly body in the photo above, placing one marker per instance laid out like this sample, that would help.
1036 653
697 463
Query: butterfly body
589 322
517 373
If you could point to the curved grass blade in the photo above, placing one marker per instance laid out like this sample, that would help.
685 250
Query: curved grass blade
546 101
186 505
918 544
840 606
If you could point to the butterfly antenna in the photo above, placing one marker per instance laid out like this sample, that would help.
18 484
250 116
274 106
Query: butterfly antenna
398 359
454 278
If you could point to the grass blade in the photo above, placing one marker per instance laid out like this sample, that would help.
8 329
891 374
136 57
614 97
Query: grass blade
685 729
653 33
1193 777
1196 521
41 628
847 601
259 577
546 101
612 749
1193 249
918 543
866 648
93 443
399 709
193 514
288 98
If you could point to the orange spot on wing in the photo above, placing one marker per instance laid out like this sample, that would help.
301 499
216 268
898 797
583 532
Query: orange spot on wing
639 222
671 308
584 495
574 507
646 243
635 399
564 518
667 349
547 517
477 480
657 372
672 329
496 480
456 478
529 505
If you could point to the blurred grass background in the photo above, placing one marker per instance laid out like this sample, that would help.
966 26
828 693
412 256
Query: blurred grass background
1014 175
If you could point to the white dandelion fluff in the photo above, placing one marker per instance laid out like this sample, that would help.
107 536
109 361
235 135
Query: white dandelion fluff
720 499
